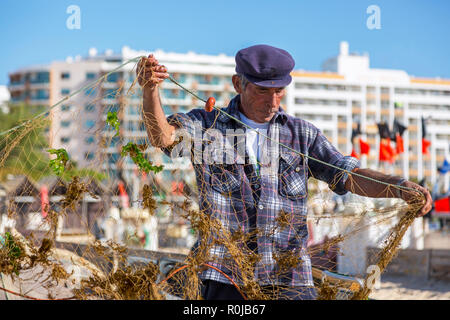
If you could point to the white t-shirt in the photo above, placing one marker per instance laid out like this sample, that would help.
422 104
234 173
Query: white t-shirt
254 141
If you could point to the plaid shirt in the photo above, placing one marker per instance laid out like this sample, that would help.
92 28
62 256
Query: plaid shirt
241 199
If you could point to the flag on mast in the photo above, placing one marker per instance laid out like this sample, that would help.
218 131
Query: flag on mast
397 135
387 153
425 143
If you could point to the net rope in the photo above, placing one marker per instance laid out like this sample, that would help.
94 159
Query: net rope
40 265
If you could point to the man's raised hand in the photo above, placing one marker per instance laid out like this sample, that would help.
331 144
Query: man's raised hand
150 73
409 196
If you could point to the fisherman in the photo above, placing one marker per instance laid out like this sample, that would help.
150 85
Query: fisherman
244 197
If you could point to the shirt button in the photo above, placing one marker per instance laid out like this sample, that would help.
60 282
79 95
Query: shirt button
297 169
261 207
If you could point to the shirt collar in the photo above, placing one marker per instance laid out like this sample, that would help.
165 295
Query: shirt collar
233 110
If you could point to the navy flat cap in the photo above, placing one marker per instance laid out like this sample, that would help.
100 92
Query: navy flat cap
265 66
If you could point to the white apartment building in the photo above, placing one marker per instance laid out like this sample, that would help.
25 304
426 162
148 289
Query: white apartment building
78 123
347 90
4 99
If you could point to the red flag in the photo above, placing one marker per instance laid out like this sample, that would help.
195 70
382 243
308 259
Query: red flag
364 147
354 154
44 201
399 144
123 195
425 145
386 151
442 205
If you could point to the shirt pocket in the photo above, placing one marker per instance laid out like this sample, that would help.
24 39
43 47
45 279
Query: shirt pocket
225 178
293 176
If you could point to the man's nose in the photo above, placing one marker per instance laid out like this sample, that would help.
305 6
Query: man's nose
274 99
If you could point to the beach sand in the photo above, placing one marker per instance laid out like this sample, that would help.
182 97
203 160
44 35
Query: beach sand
411 288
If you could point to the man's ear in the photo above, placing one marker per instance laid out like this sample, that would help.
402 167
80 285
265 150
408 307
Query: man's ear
237 83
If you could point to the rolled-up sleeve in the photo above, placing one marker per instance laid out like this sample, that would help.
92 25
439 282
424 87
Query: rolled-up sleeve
335 174
189 125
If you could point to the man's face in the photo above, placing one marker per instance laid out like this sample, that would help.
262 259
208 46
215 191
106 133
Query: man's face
259 103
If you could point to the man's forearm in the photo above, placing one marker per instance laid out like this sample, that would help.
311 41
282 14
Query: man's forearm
411 191
159 131
369 188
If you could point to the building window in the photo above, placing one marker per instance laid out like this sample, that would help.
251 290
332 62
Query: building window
111 108
65 139
131 126
90 91
113 158
65 124
167 109
132 110
180 77
89 107
113 77
40 77
90 75
65 91
89 156
114 141
206 79
41 94
65 75
89 124
89 140
110 93
141 141
216 95
174 94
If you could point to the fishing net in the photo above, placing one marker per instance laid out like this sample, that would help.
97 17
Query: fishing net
119 222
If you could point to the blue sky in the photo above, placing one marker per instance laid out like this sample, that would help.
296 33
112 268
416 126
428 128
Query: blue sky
414 35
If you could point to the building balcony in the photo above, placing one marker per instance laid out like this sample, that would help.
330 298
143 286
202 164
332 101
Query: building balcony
343 140
330 94
356 110
371 96
135 134
424 99
17 99
110 85
16 86
342 125
385 97
108 101
39 101
39 85
176 101
318 109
